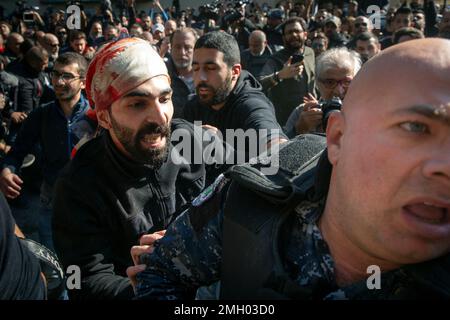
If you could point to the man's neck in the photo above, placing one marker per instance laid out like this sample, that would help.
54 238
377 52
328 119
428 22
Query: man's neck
219 106
67 106
185 72
350 260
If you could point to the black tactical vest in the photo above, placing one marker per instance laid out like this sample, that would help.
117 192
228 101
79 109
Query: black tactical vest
258 205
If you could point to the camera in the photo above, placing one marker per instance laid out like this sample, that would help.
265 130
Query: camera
210 11
328 107
235 14
28 17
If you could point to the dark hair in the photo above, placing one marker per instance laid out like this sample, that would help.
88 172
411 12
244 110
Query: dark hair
7 24
292 21
320 35
73 57
366 36
184 30
407 31
110 25
76 35
222 42
26 45
403 10
36 53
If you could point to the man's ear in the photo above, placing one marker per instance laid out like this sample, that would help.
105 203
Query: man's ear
83 84
335 135
103 118
236 71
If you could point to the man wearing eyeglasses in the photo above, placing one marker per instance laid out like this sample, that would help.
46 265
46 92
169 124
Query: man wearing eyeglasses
335 70
57 127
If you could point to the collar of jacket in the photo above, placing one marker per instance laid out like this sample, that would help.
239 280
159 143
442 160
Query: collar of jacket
245 85
171 68
78 111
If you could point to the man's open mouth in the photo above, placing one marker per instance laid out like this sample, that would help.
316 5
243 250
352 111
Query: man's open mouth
428 212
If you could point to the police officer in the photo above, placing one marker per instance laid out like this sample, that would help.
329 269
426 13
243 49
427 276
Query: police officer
378 197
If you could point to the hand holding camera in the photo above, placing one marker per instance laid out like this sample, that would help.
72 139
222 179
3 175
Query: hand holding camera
310 117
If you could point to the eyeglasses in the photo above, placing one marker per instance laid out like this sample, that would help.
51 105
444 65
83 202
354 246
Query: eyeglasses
332 83
53 45
65 77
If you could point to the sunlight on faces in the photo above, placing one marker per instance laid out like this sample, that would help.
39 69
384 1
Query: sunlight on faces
212 77
390 186
139 122
66 90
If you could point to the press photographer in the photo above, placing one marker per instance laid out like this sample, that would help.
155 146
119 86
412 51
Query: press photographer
335 70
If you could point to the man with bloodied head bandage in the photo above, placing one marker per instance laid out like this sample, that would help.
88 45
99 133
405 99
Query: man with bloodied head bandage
127 182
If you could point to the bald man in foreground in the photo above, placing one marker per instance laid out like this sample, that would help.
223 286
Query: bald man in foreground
368 218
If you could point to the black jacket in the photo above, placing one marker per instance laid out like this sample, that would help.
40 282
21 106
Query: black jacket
33 87
104 202
57 136
246 108
180 90
254 64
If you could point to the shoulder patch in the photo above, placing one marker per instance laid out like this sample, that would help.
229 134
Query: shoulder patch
210 191
207 204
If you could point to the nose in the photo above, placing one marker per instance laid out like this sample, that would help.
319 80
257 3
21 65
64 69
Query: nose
158 113
437 165
202 75
339 91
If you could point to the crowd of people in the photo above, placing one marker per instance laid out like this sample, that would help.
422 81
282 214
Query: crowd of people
352 109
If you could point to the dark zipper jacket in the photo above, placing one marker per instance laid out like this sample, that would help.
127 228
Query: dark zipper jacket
105 202
57 135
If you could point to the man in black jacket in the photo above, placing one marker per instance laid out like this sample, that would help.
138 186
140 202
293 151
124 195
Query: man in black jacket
127 182
33 87
229 99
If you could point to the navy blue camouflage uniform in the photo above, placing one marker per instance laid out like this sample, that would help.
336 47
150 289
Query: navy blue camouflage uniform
190 256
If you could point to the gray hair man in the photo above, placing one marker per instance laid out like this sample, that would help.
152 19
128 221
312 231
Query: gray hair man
335 70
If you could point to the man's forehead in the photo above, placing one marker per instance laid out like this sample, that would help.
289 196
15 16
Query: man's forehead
65 67
293 26
151 88
208 55
183 37
425 83
361 19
